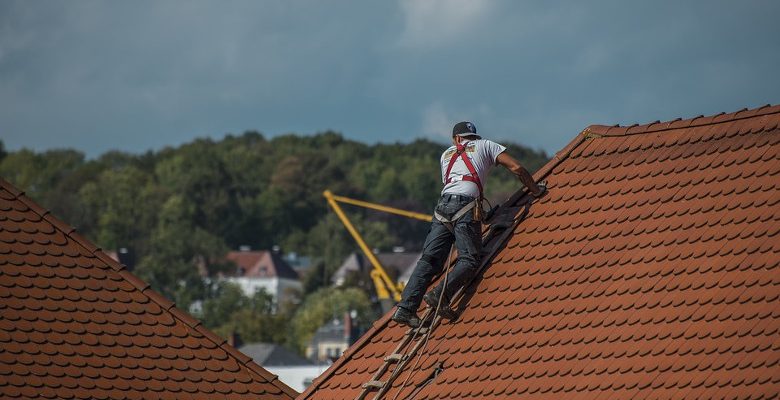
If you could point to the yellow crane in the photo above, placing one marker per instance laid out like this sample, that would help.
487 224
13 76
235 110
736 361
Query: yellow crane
385 287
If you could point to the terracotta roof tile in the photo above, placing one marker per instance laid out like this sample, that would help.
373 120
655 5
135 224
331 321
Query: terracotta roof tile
75 324
649 270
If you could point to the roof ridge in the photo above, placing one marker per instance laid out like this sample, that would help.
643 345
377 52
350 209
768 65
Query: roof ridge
679 123
280 266
167 305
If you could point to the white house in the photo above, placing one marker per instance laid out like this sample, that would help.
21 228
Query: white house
264 269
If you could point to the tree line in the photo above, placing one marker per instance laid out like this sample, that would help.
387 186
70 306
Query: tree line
181 209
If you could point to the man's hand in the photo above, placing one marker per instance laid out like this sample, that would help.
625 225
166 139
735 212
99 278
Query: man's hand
542 185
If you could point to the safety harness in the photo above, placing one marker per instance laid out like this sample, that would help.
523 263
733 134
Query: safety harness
460 151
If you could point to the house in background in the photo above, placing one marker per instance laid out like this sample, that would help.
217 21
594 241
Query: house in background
271 354
356 268
332 339
300 264
265 270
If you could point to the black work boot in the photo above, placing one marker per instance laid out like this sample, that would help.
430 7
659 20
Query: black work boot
406 317
432 299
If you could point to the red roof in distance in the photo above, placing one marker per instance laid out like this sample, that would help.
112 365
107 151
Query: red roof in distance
262 264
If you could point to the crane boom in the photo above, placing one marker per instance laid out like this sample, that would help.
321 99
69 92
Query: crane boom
379 207
384 285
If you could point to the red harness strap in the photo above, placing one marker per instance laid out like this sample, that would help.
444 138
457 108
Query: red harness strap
473 177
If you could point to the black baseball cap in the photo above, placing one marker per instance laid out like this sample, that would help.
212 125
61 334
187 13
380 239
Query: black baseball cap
464 128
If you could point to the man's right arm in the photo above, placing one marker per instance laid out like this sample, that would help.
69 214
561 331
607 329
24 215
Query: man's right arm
516 168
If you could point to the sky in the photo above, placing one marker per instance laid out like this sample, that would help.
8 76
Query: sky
140 75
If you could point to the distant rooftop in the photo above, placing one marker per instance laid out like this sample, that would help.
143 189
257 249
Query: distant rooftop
269 354
399 263
260 264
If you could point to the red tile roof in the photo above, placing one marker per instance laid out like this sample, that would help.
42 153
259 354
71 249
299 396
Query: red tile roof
262 264
650 270
75 324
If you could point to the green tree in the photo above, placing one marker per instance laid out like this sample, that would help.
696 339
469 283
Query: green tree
254 318
197 175
225 299
126 201
181 253
53 178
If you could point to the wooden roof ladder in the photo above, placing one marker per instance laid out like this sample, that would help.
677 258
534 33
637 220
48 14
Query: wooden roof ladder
503 223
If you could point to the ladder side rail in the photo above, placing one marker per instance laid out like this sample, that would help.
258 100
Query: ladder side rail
408 337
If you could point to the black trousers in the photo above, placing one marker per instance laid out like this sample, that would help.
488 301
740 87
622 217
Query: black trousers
467 236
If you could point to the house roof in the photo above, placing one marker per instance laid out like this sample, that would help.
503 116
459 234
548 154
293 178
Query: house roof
269 354
74 323
356 262
649 270
262 264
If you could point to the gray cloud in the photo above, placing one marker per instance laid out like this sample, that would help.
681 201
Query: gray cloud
136 75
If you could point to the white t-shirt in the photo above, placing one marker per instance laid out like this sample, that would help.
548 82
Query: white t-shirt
482 153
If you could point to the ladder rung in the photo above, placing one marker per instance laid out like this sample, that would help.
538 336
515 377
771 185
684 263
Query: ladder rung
373 385
395 357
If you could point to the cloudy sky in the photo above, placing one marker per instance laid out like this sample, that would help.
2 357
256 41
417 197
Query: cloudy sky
100 75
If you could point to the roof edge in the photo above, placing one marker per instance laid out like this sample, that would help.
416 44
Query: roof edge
678 123
143 287
560 156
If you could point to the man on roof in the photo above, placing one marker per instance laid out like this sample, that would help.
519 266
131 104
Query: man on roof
457 217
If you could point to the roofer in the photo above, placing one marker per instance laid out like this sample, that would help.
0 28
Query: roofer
458 215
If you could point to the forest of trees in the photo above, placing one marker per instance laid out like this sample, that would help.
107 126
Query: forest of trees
181 207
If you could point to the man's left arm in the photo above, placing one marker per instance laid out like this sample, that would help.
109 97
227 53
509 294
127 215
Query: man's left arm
516 168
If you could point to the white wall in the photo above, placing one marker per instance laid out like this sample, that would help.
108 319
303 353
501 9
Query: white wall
276 287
